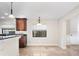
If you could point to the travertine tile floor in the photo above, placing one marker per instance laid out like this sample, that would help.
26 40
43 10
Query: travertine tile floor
49 51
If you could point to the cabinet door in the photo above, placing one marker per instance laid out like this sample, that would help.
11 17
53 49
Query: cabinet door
23 41
21 24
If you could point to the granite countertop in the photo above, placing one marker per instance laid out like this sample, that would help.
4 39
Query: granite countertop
9 34
6 36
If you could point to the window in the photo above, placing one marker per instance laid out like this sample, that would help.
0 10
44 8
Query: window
39 33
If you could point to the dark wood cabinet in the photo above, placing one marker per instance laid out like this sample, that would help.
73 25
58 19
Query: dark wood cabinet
21 24
23 41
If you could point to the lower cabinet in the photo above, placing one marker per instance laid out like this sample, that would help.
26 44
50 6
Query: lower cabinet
23 41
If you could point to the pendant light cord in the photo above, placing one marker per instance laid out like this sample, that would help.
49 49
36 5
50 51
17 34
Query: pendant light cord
39 20
11 7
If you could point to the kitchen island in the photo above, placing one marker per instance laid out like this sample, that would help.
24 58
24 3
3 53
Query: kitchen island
9 45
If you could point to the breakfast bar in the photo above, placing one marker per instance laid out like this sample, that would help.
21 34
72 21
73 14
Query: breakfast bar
9 45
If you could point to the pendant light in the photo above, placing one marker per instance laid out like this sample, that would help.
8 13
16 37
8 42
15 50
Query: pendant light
39 22
11 11
39 26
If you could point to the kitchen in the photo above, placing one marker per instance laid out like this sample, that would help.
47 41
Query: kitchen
12 35
26 28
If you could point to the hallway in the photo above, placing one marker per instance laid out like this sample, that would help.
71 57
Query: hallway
49 51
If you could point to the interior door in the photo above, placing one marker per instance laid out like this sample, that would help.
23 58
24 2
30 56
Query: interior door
72 32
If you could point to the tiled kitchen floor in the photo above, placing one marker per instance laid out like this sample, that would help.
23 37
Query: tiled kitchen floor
49 51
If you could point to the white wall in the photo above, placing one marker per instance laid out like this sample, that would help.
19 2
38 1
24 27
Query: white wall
0 31
52 33
8 23
62 34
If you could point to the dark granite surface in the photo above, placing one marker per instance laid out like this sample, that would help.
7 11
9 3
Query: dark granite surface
6 36
9 34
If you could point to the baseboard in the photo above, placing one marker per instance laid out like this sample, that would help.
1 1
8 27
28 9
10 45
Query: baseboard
72 44
43 45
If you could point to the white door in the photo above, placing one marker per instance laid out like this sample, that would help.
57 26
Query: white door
73 31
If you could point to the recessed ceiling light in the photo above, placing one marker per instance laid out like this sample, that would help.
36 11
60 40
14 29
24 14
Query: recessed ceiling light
2 17
6 14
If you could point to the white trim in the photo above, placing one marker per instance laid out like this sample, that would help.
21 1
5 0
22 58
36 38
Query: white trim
42 45
71 44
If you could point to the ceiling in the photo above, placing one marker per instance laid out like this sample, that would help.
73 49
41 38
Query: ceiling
46 10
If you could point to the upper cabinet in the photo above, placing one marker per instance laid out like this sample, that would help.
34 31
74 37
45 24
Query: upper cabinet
21 24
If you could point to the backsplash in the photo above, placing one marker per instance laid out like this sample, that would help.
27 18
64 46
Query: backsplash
8 30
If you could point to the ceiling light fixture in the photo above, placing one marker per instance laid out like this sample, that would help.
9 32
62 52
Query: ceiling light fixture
2 17
40 26
11 13
5 14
